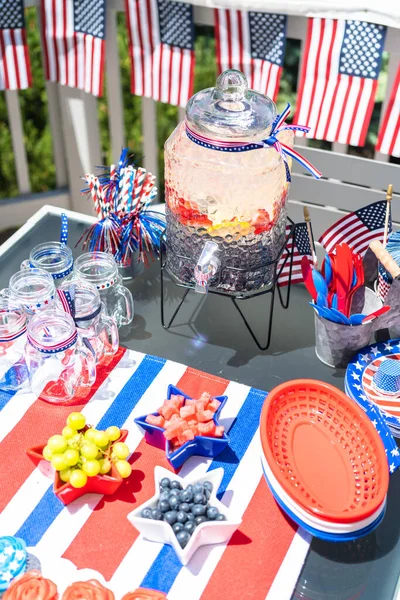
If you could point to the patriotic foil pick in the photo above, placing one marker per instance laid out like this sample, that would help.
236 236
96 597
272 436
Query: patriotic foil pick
122 195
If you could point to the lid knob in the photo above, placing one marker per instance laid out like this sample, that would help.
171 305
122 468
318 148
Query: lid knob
232 85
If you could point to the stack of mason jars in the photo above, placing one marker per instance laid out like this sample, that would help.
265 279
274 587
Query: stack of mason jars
47 348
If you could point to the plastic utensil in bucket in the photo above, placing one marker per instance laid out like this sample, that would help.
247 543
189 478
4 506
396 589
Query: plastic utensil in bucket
335 344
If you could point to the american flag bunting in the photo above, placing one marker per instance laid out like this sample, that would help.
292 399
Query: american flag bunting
254 43
70 538
302 248
161 45
339 79
357 229
389 134
74 43
15 69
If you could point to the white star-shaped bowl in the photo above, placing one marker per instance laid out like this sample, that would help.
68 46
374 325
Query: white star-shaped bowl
211 532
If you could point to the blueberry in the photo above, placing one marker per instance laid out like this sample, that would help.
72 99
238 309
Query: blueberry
208 486
164 495
181 517
175 485
207 494
198 498
220 517
189 488
183 537
170 517
184 506
191 504
146 513
200 520
212 513
173 502
186 496
165 482
190 526
190 516
177 527
198 510
174 492
156 514
198 487
164 506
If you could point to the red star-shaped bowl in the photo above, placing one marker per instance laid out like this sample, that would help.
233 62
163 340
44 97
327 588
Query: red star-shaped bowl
200 446
99 484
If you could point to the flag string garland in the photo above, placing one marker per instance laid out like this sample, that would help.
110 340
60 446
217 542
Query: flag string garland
122 195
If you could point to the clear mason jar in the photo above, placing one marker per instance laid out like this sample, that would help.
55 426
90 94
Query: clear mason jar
53 257
33 288
100 269
13 370
98 331
58 361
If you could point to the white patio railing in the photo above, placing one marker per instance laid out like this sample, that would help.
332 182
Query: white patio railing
348 181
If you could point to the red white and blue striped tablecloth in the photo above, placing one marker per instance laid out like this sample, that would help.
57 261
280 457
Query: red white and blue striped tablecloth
262 559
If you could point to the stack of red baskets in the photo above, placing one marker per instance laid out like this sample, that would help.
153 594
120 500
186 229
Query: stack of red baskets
324 460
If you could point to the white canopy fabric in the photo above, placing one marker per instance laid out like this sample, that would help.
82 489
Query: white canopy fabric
384 12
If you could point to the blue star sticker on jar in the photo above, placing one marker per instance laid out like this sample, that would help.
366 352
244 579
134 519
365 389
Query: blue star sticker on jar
184 426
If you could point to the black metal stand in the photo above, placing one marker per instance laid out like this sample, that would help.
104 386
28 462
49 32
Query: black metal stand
286 251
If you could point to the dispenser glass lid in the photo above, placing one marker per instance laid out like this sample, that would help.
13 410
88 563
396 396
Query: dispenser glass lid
231 109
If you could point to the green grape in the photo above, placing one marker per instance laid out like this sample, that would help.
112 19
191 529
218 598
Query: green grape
78 478
89 450
89 433
69 432
120 450
57 443
100 438
76 420
65 475
47 453
75 441
58 462
105 465
71 457
123 468
113 433
91 467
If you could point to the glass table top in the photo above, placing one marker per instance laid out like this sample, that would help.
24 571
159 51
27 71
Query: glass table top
209 335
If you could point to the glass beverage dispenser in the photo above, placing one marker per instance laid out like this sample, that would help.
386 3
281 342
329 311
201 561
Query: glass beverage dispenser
225 207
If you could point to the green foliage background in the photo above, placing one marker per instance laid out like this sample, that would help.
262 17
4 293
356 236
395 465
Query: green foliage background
37 133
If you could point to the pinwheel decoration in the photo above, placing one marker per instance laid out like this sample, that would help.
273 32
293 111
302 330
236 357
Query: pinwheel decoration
122 195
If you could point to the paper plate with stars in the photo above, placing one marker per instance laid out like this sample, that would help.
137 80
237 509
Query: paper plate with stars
359 381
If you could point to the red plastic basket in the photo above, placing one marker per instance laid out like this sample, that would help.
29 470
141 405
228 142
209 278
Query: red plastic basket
324 451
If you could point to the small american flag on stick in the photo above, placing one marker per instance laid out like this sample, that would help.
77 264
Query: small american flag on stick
74 43
301 248
15 69
339 79
389 135
161 45
254 43
357 229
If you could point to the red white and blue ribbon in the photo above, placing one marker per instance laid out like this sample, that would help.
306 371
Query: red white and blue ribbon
64 229
67 299
272 141
53 349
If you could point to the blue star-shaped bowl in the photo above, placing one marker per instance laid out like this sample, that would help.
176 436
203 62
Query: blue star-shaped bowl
200 446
